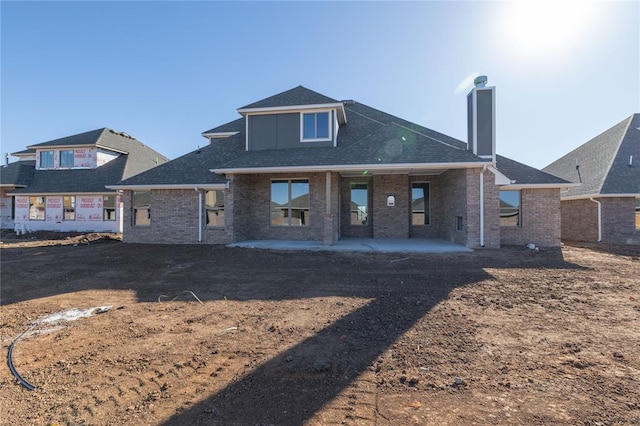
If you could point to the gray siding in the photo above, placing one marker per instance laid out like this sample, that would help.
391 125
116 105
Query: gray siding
470 141
485 121
279 131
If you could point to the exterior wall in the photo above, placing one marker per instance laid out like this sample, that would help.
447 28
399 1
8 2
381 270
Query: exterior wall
174 220
83 158
252 208
278 131
453 198
347 230
391 221
579 220
618 221
6 213
88 215
434 228
540 219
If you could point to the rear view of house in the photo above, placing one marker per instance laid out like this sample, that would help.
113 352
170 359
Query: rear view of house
300 165
606 205
60 185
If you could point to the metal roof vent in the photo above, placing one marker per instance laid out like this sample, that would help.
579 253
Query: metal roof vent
480 81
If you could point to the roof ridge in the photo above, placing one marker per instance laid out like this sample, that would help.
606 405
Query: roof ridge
615 154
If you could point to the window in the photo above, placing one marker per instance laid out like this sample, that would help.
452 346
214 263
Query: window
46 159
214 207
459 223
316 126
142 208
509 208
36 208
290 202
637 212
13 208
359 203
69 208
420 203
66 158
109 207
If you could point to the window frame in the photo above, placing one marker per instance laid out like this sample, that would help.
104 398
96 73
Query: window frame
61 156
48 152
519 209
368 206
304 218
426 203
637 214
329 136
105 208
64 207
135 208
216 208
44 208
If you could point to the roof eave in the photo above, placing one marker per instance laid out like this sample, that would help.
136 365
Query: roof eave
516 186
342 118
587 196
144 187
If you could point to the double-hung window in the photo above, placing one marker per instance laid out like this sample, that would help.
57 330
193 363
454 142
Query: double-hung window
316 126
510 208
66 158
46 159
69 207
214 205
420 203
290 202
36 208
142 208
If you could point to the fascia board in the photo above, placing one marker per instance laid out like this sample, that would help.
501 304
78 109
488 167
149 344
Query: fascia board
169 186
295 108
409 167
587 196
516 186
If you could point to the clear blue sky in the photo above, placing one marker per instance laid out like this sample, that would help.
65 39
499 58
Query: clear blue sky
166 71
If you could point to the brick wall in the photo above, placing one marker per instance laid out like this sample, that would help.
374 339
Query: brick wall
436 223
618 221
579 220
539 217
391 221
453 184
346 229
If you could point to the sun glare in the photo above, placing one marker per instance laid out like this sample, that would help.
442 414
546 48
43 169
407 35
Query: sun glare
543 26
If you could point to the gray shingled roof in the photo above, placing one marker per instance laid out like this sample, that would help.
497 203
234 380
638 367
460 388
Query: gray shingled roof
297 96
138 158
604 162
18 173
370 136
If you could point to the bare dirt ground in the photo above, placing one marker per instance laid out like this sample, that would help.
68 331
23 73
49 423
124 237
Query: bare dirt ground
509 336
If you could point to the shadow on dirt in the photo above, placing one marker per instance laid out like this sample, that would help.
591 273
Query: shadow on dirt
293 386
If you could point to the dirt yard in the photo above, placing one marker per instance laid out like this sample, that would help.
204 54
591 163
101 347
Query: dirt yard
215 336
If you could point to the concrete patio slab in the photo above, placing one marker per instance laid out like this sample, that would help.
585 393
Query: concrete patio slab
367 245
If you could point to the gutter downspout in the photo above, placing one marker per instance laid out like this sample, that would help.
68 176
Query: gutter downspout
482 206
599 203
199 214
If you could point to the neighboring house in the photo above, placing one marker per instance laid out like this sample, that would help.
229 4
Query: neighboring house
606 205
303 166
60 185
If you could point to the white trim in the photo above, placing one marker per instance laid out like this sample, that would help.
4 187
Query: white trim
342 119
500 178
599 218
516 186
211 186
408 167
53 194
246 134
482 206
218 135
588 196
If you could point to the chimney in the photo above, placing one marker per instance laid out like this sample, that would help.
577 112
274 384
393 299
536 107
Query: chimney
481 119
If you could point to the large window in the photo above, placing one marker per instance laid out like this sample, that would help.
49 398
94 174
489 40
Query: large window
46 159
510 208
637 212
290 202
420 203
316 126
36 208
66 158
69 207
214 207
109 207
142 208
359 203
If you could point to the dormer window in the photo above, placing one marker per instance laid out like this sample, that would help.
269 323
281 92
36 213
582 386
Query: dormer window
66 158
316 126
46 159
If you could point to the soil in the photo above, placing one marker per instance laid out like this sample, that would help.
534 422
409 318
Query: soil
208 335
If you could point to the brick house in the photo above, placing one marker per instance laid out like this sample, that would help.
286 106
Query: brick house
59 185
606 205
303 166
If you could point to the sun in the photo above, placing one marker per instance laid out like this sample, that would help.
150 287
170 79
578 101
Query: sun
546 26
